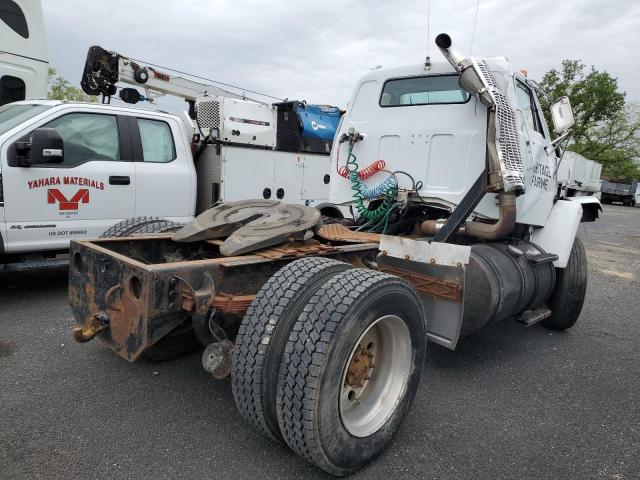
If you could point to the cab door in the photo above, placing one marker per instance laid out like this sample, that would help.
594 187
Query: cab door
89 191
165 174
539 160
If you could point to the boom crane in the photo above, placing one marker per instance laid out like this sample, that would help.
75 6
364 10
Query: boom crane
104 69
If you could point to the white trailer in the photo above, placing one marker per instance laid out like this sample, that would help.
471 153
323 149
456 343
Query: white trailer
579 176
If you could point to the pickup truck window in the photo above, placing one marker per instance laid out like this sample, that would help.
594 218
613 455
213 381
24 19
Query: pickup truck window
157 141
13 115
87 136
425 90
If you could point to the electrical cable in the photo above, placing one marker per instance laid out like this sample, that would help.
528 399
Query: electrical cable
475 22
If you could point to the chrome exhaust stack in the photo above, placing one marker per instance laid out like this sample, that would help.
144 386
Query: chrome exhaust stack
503 149
505 174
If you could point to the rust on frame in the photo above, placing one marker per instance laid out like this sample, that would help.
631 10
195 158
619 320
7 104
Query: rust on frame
445 289
234 304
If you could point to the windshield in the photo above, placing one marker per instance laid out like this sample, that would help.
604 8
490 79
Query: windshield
12 115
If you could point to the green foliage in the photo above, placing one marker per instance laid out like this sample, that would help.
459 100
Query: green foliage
61 89
607 129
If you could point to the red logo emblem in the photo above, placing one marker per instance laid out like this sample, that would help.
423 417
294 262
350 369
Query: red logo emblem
54 195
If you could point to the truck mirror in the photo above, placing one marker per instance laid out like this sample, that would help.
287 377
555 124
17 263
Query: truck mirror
47 146
562 115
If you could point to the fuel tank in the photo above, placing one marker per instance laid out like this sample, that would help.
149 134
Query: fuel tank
503 280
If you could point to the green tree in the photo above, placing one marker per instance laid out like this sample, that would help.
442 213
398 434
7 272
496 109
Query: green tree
61 89
607 128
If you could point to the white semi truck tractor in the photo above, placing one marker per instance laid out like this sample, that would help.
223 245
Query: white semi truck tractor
460 222
24 63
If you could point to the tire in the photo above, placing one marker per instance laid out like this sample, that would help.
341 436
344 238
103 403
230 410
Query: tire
178 343
315 413
140 226
264 332
571 286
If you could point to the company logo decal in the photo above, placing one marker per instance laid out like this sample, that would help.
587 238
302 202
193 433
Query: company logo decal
81 196
51 181
317 126
67 200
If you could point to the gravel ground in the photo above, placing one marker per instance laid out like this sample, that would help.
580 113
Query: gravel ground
509 403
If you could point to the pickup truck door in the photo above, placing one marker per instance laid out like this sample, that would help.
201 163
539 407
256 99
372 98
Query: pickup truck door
165 174
92 189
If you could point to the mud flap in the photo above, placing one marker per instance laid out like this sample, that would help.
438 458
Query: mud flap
437 272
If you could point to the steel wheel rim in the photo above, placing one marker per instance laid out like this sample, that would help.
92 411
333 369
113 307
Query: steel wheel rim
375 376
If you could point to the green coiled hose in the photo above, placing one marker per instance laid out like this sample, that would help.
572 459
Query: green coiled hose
377 219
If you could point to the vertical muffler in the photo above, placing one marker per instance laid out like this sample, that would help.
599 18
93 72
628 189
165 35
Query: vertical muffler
503 147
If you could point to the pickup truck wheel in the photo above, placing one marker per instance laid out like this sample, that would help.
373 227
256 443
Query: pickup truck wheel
264 333
178 343
351 369
141 226
571 286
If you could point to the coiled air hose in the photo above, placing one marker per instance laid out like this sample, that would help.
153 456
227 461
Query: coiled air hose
377 220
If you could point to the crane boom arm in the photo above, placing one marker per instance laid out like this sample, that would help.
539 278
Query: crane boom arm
104 69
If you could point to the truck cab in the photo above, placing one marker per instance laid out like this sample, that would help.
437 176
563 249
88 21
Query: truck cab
109 164
438 140
23 59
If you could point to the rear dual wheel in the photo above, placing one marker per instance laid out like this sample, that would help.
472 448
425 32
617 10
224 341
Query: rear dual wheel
264 332
349 360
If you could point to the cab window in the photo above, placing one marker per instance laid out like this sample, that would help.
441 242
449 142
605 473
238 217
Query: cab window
12 89
425 90
157 141
528 108
87 136
13 16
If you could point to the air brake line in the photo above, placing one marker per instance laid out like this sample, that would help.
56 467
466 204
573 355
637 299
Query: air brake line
377 219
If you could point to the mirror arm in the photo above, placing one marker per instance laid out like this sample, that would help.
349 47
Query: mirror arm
23 150
565 136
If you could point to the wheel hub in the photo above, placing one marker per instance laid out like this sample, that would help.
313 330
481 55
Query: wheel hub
375 376
360 367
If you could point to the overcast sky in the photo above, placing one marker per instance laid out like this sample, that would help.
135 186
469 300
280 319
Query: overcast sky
316 50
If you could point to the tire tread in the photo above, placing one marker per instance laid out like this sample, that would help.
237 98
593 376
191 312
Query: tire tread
255 336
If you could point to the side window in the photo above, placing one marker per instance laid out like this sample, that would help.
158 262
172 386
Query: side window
528 107
13 16
157 141
87 136
12 89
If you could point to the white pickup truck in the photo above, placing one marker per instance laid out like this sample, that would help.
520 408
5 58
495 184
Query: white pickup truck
73 170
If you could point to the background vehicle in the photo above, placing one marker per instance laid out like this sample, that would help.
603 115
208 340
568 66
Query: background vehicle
578 175
23 55
323 328
103 164
624 191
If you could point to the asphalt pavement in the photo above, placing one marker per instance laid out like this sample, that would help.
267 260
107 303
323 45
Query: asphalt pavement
510 403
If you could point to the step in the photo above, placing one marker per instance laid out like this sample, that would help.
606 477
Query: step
531 317
45 264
